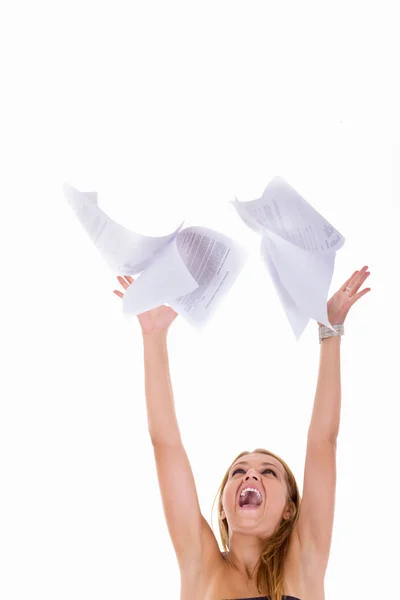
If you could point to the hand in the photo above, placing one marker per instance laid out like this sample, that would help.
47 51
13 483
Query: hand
156 320
341 302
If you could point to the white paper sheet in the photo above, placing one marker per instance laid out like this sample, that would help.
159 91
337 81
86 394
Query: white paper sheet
125 252
298 247
215 261
191 269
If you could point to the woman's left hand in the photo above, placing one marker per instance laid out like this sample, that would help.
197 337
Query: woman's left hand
341 302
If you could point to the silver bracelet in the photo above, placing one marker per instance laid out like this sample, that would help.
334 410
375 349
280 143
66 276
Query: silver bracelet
325 332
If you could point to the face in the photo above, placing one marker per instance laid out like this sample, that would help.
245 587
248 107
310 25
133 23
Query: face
268 475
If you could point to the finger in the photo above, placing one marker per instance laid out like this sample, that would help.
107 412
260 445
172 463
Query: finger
129 279
362 272
347 284
358 276
118 293
361 278
122 281
362 293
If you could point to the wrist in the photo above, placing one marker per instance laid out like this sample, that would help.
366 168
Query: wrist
154 336
326 332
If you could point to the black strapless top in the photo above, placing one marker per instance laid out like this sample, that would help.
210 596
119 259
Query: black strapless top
269 598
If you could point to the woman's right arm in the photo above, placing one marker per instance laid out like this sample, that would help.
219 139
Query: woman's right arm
161 417
177 486
191 535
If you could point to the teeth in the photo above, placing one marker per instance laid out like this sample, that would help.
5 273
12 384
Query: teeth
250 489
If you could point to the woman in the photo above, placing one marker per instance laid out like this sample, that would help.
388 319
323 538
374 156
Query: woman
286 554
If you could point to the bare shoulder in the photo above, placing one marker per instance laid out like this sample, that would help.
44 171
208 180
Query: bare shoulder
209 575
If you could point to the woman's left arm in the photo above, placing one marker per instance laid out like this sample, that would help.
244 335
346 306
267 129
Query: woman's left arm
315 523
325 417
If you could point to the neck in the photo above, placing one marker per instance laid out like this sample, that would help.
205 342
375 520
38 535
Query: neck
244 553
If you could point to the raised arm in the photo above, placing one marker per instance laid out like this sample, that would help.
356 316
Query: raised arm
315 523
188 529
161 416
162 422
175 477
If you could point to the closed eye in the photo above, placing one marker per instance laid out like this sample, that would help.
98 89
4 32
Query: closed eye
234 473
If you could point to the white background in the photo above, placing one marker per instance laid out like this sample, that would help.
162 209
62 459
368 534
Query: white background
169 110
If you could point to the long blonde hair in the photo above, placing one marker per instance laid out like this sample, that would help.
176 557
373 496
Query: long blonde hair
270 566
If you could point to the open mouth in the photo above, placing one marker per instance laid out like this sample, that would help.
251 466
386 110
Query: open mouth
250 499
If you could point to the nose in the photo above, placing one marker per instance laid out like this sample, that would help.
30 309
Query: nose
251 473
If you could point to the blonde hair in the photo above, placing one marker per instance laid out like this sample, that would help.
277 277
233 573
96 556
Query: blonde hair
270 566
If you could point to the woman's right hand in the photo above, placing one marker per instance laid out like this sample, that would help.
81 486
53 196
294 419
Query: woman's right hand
156 320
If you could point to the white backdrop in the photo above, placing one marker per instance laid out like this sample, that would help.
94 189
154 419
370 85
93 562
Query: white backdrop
169 110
